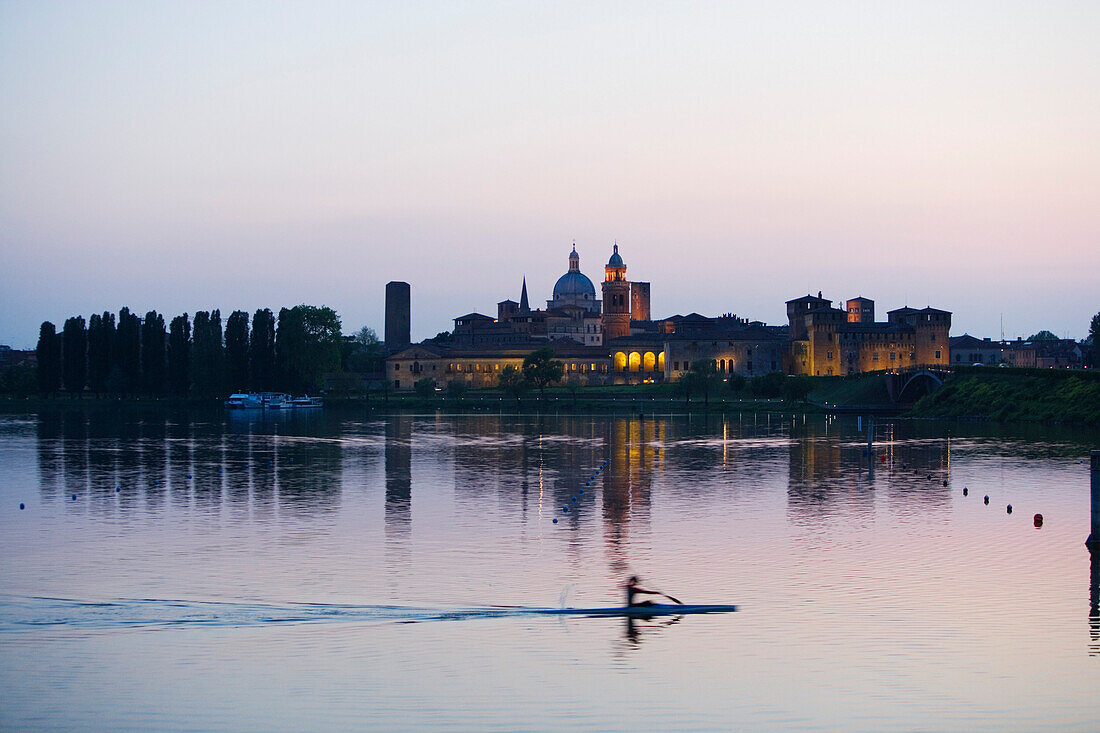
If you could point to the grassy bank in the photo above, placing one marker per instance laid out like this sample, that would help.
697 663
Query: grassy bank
1016 395
863 391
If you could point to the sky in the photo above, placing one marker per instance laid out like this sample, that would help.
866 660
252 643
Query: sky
184 156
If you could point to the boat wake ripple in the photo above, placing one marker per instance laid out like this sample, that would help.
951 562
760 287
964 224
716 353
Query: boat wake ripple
41 613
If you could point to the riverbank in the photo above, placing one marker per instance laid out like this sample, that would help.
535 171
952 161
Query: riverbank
1015 395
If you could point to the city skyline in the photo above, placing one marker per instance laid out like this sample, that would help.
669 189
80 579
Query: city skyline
188 157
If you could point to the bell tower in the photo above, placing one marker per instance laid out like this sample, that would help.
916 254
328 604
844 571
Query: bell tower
616 298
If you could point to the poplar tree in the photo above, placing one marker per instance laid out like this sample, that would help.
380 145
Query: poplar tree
283 347
153 355
261 351
179 356
48 353
236 351
74 354
207 354
101 336
125 374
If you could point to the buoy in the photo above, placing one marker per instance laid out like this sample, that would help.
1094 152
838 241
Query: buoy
573 499
1009 508
555 520
882 459
565 510
945 482
21 508
987 498
966 491
74 497
1038 521
582 491
188 475
118 489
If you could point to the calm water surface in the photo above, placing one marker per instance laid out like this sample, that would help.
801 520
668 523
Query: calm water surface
197 571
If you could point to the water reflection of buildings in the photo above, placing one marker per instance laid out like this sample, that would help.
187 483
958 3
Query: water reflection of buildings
152 460
634 446
398 460
831 473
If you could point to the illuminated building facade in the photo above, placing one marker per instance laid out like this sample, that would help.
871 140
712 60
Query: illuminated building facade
826 341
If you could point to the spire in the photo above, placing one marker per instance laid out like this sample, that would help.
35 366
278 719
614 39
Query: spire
523 304
574 259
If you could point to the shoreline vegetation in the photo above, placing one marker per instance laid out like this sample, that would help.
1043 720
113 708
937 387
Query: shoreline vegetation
972 393
193 363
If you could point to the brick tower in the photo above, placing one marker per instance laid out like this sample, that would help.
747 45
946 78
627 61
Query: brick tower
616 298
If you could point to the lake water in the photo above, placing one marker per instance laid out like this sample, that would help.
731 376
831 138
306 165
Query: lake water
335 571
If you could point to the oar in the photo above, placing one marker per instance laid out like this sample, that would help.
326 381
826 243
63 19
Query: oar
674 600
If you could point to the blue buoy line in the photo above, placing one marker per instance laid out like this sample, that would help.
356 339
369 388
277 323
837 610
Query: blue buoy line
576 499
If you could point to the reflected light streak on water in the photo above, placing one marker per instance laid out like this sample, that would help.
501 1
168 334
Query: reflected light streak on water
227 572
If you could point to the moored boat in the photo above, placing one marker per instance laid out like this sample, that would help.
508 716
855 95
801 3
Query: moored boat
257 401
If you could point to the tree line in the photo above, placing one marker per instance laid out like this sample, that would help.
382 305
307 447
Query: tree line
129 356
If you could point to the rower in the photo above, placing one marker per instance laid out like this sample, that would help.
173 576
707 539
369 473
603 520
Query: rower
633 589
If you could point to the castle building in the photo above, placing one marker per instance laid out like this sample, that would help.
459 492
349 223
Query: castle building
828 341
614 340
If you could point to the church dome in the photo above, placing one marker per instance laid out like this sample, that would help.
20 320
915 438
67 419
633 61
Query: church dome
616 260
573 284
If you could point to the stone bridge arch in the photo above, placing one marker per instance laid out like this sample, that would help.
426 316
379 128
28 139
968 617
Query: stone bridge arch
908 387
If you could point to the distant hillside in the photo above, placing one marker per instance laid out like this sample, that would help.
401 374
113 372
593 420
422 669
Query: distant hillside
1016 394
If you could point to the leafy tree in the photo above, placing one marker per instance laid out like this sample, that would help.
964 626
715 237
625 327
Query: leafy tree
366 337
261 351
18 380
456 388
236 351
736 382
101 339
362 352
74 353
443 337
48 353
512 381
179 356
573 385
127 353
154 367
702 378
386 388
768 385
425 387
1094 341
797 388
307 346
541 369
1043 335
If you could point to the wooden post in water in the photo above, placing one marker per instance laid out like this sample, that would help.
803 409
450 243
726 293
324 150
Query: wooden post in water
870 446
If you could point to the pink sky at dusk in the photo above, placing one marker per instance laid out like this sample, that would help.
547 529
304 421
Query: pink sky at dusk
187 156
